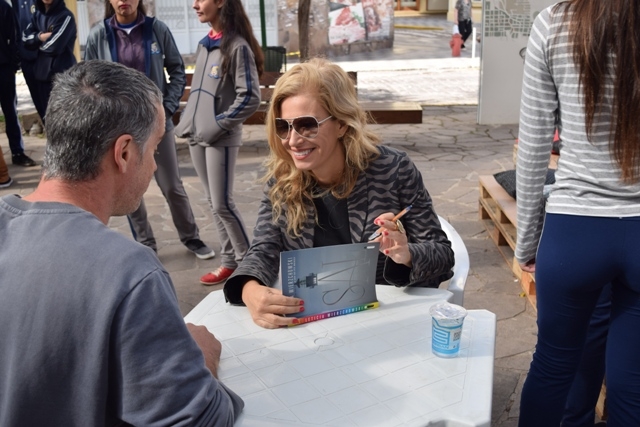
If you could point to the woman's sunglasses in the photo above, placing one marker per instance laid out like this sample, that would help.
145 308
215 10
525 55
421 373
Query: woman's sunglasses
305 126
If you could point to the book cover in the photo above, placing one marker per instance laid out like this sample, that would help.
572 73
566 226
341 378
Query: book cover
332 280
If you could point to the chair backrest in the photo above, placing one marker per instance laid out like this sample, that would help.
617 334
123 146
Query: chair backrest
461 266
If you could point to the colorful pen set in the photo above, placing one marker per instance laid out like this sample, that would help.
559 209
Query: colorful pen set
395 218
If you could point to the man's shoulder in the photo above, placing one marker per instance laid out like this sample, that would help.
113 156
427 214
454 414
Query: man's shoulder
73 249
83 234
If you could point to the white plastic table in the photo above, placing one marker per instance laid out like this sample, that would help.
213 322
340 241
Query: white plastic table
371 368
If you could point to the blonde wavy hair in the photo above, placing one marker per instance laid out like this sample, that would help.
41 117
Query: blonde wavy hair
293 189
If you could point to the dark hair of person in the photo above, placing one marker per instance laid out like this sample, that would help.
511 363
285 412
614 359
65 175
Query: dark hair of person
606 45
91 105
109 11
235 22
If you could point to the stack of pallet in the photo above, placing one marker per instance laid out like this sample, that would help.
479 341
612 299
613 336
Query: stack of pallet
497 211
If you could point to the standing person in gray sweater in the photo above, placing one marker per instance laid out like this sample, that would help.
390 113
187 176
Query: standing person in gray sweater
93 336
144 43
224 92
581 72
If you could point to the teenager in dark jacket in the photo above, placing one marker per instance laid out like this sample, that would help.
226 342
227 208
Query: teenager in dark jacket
52 33
9 64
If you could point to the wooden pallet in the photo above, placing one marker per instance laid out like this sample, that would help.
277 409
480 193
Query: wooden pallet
497 210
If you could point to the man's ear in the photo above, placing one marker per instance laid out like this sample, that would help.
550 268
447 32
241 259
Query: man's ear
123 152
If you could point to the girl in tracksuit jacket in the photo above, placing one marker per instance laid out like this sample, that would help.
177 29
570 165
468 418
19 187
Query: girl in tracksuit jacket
52 33
224 92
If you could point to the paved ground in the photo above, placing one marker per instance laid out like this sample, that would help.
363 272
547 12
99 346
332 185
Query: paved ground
449 148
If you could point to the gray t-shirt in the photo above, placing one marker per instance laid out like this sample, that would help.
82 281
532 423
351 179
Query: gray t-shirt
91 331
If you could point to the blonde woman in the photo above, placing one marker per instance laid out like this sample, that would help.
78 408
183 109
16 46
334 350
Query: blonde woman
329 182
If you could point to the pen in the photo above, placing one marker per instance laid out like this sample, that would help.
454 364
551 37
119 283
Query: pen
395 218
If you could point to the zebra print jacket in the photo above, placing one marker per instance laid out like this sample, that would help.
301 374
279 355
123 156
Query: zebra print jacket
391 183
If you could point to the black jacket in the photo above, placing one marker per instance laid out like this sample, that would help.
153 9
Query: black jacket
8 32
24 10
56 53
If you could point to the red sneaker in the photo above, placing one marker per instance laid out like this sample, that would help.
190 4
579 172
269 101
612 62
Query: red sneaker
218 275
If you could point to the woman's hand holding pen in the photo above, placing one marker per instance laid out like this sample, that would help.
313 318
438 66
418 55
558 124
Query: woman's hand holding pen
393 241
267 305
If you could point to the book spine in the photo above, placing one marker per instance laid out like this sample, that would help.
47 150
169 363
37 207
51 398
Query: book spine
320 316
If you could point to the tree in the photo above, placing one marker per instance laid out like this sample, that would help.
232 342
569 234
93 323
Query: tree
304 9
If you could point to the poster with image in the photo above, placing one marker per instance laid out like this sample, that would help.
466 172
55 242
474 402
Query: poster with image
346 23
377 18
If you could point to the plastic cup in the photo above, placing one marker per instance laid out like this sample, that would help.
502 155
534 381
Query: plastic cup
447 320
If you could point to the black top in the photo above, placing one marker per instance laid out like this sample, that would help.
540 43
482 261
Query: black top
332 227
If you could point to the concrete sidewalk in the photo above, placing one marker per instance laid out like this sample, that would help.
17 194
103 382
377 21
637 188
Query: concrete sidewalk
450 150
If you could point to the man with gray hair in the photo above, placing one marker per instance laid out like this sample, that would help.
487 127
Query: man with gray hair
93 335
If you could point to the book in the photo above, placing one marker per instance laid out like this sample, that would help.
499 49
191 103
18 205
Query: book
331 280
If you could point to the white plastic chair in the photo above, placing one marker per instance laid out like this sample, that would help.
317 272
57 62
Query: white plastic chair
461 266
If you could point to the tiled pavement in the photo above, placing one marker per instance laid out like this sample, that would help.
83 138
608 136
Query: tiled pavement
450 150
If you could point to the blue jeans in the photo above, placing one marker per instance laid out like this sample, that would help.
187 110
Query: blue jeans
583 396
577 257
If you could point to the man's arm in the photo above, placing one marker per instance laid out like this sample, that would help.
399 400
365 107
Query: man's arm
209 345
152 350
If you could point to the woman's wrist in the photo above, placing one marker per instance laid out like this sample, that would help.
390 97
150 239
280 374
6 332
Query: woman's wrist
248 287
